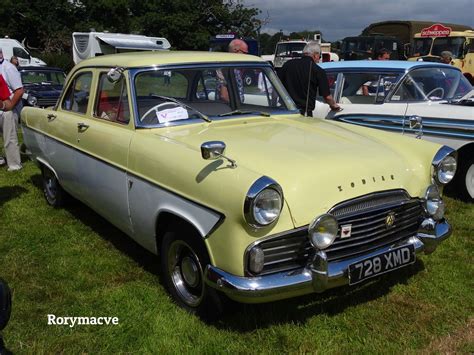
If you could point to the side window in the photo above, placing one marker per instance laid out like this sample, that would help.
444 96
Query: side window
20 52
359 88
256 88
76 98
112 100
332 81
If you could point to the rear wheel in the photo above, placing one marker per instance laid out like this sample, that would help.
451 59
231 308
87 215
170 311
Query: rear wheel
183 262
53 192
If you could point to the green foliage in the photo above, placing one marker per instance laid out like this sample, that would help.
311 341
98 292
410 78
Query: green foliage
48 26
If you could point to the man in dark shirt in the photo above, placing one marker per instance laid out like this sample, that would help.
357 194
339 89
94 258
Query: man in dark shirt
295 75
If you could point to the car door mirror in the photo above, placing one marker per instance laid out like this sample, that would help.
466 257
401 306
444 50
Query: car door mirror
212 150
115 74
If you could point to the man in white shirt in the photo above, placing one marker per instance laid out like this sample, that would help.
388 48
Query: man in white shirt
9 115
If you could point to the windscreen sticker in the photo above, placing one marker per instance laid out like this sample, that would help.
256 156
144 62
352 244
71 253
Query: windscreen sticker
172 114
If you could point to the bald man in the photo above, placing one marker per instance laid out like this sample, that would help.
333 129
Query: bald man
235 46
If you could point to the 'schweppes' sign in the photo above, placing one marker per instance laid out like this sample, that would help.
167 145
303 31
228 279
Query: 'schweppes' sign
436 30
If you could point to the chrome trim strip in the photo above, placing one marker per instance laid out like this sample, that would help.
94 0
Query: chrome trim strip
431 126
318 276
131 175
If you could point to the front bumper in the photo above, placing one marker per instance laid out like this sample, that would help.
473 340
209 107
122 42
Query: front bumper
319 275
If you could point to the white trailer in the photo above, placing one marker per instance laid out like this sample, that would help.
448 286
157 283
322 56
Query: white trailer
92 44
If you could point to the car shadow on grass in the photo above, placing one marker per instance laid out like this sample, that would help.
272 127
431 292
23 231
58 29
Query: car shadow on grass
107 231
246 318
8 193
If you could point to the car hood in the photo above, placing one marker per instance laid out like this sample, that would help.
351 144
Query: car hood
317 163
43 90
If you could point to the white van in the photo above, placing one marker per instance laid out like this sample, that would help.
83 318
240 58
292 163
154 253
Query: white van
11 47
92 44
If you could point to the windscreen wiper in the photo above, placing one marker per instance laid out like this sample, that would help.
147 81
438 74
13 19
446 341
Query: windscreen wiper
177 102
240 112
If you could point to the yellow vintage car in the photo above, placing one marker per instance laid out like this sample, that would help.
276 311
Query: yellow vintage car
240 195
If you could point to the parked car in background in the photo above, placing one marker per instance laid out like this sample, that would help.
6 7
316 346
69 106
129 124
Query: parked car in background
429 100
42 85
11 47
238 193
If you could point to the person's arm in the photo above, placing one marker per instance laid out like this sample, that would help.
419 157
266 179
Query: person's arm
17 95
324 90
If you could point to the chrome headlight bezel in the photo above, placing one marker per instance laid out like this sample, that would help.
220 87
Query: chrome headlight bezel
263 184
330 221
444 157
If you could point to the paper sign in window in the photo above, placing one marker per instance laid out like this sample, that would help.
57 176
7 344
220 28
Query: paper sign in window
172 114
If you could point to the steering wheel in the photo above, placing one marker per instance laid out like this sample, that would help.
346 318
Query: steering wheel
434 90
156 107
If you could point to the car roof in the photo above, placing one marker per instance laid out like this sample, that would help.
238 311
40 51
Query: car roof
401 65
38 68
150 58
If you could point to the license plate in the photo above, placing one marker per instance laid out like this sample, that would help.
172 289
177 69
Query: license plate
380 264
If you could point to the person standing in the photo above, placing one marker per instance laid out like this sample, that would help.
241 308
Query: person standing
9 113
446 57
235 46
302 79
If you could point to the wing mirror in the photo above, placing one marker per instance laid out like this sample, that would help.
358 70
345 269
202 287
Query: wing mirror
213 150
115 74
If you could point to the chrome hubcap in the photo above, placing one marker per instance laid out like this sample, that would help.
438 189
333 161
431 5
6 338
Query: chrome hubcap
186 273
470 181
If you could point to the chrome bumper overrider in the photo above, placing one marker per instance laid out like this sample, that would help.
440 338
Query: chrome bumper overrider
317 276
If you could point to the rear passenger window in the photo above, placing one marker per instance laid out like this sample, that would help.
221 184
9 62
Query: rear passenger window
112 100
77 95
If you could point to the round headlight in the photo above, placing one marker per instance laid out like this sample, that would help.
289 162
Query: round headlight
267 206
32 100
446 169
434 205
323 231
263 202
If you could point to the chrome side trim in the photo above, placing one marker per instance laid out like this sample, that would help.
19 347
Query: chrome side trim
318 276
463 129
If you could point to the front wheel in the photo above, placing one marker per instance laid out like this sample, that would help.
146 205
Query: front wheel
183 261
53 192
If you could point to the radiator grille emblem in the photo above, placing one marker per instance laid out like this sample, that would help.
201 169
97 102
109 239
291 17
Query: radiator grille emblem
390 220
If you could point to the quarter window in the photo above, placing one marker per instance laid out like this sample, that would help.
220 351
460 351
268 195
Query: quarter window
112 100
77 95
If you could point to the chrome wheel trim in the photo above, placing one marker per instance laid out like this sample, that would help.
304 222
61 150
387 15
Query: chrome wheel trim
50 185
185 272
469 180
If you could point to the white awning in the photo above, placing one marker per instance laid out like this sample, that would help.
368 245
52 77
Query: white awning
138 43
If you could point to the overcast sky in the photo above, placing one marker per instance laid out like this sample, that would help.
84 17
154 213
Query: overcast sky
337 19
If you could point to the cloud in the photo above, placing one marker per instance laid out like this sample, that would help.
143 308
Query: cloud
341 18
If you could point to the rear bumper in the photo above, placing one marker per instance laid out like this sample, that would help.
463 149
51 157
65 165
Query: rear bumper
319 275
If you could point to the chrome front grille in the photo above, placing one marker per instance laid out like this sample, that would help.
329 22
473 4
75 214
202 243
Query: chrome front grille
367 217
45 102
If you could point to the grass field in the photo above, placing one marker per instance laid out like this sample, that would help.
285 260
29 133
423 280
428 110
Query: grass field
71 262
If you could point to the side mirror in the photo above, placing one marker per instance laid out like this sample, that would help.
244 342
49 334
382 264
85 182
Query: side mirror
212 150
115 74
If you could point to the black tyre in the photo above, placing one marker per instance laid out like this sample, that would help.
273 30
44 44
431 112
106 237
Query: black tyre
183 261
53 192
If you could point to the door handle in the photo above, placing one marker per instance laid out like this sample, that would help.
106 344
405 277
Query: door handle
82 126
51 117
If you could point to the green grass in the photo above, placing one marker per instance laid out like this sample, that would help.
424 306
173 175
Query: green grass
71 262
